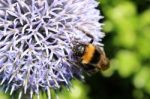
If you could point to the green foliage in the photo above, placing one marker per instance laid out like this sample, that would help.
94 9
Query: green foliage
127 24
78 91
4 96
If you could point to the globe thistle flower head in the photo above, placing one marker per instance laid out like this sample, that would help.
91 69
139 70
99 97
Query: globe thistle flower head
36 37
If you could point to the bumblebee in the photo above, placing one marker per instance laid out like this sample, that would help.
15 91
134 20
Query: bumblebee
91 57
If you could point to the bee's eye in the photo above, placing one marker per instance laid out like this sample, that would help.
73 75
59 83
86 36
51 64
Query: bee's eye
79 50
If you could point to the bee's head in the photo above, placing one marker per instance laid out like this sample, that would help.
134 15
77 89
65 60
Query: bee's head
79 49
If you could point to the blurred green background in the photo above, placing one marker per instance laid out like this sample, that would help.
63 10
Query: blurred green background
127 44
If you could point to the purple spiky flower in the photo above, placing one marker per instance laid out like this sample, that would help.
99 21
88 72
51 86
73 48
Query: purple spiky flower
36 38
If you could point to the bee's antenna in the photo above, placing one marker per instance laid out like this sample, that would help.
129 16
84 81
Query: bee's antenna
91 36
87 33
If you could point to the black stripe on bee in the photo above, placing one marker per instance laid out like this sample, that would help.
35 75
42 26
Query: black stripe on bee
96 57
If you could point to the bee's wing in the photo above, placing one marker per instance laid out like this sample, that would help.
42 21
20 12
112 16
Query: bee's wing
103 63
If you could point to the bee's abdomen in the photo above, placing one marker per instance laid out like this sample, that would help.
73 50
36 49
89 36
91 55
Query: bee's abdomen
96 57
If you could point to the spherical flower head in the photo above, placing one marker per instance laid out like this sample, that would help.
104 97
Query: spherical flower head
36 37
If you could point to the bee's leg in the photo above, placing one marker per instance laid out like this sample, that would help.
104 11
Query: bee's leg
88 67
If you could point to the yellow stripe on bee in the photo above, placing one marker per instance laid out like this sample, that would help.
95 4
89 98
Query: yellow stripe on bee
89 51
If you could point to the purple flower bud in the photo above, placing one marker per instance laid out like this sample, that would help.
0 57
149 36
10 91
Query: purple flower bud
36 38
